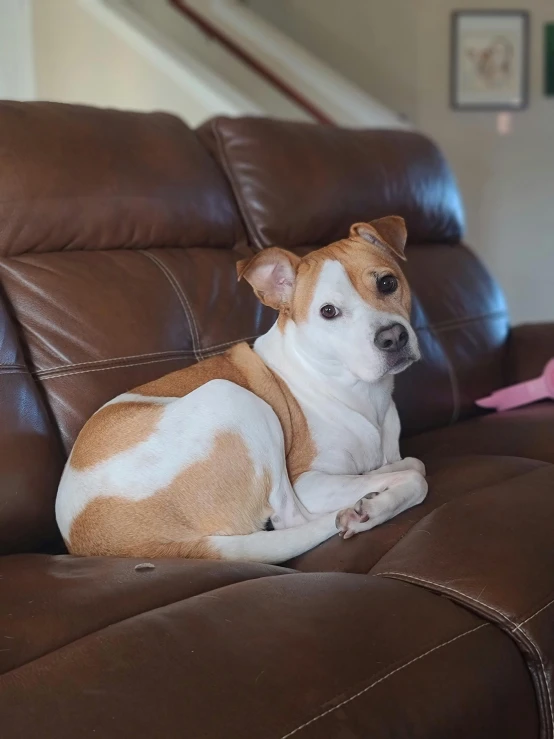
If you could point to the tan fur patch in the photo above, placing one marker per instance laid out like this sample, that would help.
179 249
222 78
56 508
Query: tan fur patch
300 449
112 430
241 365
221 494
363 265
182 382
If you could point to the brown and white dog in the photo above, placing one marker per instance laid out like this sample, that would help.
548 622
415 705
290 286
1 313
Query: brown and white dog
301 430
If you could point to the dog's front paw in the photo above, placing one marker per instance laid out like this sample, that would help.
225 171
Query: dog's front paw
349 520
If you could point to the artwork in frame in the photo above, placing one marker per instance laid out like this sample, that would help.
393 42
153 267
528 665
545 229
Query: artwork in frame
489 60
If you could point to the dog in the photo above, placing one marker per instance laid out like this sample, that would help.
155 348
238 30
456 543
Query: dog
299 434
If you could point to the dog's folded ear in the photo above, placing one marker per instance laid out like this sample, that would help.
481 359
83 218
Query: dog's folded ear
272 274
387 233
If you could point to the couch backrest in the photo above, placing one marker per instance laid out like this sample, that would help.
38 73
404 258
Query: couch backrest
119 234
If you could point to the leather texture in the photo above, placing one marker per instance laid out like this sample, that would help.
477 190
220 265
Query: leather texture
31 458
140 181
302 185
122 318
119 235
275 654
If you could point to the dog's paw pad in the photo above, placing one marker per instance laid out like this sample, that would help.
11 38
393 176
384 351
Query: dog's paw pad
347 520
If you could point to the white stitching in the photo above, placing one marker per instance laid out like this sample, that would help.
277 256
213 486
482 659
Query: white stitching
445 587
115 366
182 299
230 343
515 626
535 614
460 322
381 679
13 371
102 362
539 655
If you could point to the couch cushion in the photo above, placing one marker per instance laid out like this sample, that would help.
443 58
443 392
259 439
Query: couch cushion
449 479
98 324
522 432
73 177
299 184
307 655
492 551
30 452
48 602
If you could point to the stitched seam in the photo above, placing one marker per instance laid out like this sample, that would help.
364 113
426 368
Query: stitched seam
535 614
252 232
457 322
182 299
13 371
530 642
215 354
382 679
102 362
230 343
111 367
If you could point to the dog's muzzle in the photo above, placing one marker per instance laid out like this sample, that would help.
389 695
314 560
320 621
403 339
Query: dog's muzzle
394 342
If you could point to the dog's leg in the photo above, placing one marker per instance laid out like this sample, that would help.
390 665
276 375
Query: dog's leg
320 492
402 491
408 463
273 547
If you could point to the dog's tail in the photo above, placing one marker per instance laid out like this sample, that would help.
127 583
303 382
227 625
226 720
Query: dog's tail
273 547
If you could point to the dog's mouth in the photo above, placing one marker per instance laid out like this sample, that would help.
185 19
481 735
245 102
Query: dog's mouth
401 363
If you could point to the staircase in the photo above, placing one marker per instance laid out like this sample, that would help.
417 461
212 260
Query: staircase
196 58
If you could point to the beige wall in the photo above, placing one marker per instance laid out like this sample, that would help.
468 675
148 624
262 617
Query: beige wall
79 59
371 42
399 51
16 53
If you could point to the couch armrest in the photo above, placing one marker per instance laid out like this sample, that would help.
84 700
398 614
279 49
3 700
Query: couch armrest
530 346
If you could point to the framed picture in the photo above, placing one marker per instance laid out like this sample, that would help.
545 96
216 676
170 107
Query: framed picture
489 66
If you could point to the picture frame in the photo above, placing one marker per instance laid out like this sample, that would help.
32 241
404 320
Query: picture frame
489 61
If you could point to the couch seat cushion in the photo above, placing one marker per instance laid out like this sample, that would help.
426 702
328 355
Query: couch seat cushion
449 478
51 601
310 655
523 432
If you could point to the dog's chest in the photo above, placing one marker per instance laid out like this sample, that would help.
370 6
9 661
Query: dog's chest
347 442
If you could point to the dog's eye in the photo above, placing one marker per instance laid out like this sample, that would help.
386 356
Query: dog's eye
329 311
387 284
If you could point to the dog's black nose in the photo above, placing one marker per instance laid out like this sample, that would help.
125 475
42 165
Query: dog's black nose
391 338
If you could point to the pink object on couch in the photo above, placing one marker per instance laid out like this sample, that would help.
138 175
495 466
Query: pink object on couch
523 393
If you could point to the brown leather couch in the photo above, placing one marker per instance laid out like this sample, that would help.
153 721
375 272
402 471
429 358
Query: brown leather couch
118 238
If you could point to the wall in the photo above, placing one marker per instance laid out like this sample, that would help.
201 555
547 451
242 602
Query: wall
507 181
85 53
232 71
16 56
398 50
371 42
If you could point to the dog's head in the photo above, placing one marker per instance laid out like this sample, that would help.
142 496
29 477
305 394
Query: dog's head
348 303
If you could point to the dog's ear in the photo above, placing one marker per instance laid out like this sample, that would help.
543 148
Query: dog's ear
272 274
388 233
